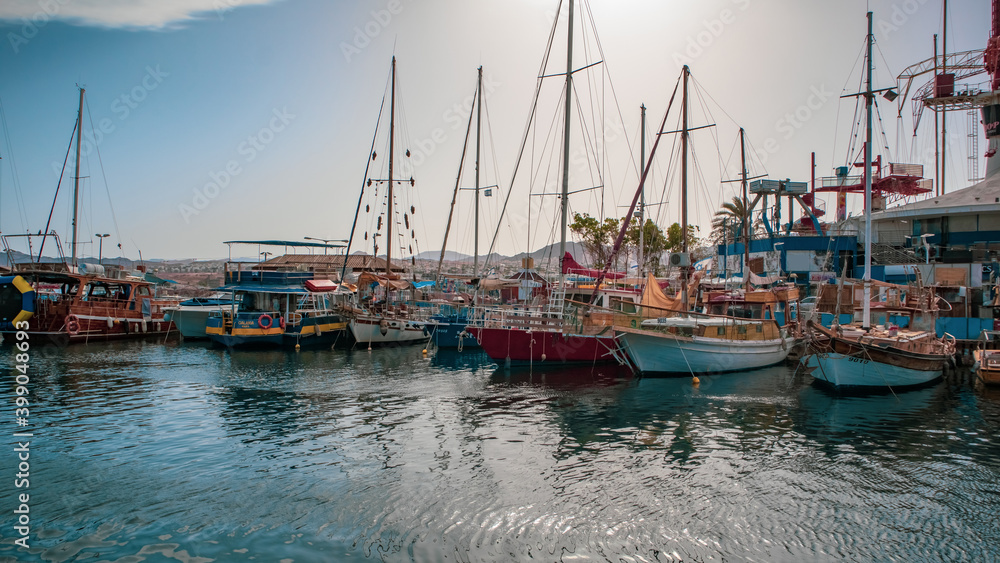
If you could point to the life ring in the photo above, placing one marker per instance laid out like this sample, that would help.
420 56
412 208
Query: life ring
72 324
15 289
261 320
281 322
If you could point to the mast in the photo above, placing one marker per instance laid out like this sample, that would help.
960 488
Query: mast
944 114
454 195
479 134
746 211
684 218
565 178
937 152
866 310
389 216
76 178
642 192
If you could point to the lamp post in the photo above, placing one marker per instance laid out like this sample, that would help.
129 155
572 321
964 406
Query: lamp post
326 241
265 254
100 247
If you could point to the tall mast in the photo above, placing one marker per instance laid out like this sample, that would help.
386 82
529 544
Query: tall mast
389 216
642 192
866 310
684 196
937 153
76 179
565 178
944 114
479 134
746 211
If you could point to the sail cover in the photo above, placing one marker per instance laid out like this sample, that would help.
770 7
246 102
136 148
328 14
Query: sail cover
571 266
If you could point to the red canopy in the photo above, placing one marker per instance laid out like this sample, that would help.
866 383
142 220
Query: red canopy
571 266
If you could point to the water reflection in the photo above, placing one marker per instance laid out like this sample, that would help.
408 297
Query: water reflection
391 455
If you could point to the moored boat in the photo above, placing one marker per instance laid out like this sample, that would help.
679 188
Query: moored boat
190 316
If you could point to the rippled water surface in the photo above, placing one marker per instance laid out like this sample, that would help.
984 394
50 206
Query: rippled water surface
181 452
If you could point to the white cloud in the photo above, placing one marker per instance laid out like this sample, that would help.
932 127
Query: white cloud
142 14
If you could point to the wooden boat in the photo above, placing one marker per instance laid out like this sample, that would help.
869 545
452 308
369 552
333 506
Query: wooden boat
884 357
987 361
878 358
62 305
666 338
67 300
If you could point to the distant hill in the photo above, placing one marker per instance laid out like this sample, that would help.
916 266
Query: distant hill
552 250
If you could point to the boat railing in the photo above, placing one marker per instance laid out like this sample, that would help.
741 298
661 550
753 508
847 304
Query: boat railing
515 317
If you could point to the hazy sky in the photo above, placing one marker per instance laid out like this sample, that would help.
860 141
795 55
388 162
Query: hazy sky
275 102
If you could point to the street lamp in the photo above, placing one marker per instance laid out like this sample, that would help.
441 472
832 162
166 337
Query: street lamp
100 251
327 241
265 254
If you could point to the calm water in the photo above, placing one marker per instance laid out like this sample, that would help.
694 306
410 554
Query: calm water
146 452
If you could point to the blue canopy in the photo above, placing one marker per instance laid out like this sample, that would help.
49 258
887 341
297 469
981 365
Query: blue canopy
423 284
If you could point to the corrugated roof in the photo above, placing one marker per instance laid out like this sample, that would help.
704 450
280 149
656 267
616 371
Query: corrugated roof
332 262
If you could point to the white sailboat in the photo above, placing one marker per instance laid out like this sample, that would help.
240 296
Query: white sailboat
389 321
667 338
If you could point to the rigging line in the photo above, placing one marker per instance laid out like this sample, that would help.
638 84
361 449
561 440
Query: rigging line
458 180
13 168
350 239
48 223
527 130
614 95
589 144
635 198
107 189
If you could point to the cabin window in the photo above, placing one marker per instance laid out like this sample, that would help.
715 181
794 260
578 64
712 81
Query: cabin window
760 328
143 290
720 330
742 329
623 305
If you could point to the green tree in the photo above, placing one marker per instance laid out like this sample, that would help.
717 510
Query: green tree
727 224
598 237
674 241
654 243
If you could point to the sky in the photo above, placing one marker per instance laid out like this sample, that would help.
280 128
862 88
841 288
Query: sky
215 120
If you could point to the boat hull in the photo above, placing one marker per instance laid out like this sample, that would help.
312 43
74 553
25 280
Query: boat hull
191 321
987 366
374 332
451 333
664 353
513 346
844 370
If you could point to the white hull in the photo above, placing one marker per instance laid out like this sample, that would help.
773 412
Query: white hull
840 370
698 354
368 330
190 321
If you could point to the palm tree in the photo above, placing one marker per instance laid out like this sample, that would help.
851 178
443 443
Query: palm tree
727 223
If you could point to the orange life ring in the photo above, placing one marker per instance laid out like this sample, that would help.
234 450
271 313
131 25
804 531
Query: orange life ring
72 324
281 322
265 317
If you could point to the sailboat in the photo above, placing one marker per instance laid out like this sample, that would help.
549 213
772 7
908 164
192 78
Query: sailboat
552 333
67 300
448 324
667 337
386 317
889 358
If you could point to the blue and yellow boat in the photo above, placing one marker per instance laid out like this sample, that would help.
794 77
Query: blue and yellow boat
278 309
